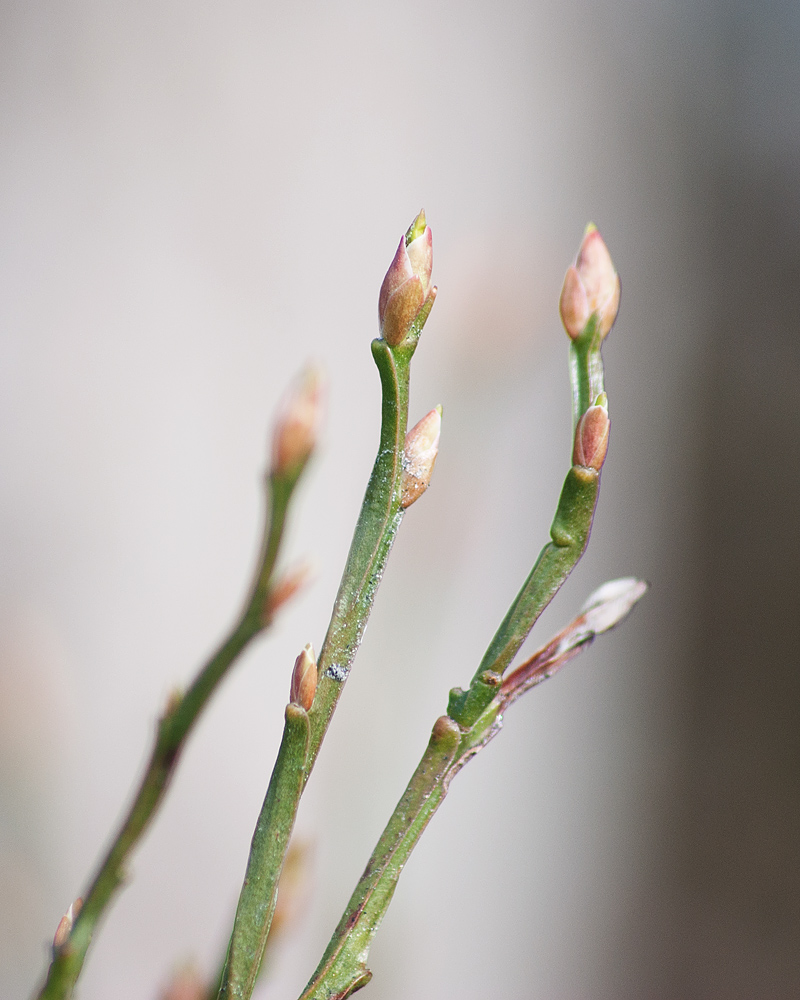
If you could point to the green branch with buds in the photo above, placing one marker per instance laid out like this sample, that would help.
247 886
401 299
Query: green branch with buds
293 443
401 474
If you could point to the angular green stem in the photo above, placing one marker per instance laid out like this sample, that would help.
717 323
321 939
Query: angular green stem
374 535
267 854
343 967
585 369
569 535
474 716
173 731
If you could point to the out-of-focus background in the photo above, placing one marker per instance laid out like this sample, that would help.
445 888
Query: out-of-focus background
197 198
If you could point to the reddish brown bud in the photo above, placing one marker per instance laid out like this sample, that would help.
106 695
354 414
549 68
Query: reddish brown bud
285 589
186 984
591 436
419 456
304 678
591 285
407 284
64 928
296 428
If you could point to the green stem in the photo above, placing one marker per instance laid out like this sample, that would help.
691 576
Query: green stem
173 731
342 969
585 369
474 716
267 853
569 535
374 535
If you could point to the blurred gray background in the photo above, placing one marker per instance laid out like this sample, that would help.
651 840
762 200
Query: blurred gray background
195 199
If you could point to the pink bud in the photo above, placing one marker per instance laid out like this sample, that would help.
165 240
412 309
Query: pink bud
419 456
591 436
590 286
285 588
407 285
296 428
304 678
64 928
186 984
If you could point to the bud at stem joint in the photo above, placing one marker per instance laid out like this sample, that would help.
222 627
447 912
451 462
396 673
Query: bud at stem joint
304 678
591 436
419 456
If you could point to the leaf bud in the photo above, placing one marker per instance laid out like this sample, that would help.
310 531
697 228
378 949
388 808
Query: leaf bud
591 436
64 928
296 428
419 456
591 285
285 589
304 678
407 286
186 984
610 603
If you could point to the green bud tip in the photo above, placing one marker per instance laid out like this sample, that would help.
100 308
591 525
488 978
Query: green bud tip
417 227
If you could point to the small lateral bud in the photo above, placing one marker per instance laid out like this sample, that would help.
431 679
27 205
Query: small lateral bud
407 287
296 428
187 984
419 456
174 698
591 285
609 604
591 436
285 588
304 678
64 928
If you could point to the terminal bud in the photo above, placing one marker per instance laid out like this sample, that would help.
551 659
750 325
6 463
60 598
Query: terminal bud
296 428
591 285
406 288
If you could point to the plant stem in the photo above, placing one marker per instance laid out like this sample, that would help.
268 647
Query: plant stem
474 716
343 969
173 731
268 850
569 536
374 535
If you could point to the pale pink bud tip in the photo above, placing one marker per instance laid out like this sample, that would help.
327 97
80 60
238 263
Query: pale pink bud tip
419 456
591 285
304 678
297 426
64 928
609 604
186 985
407 285
285 589
591 437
